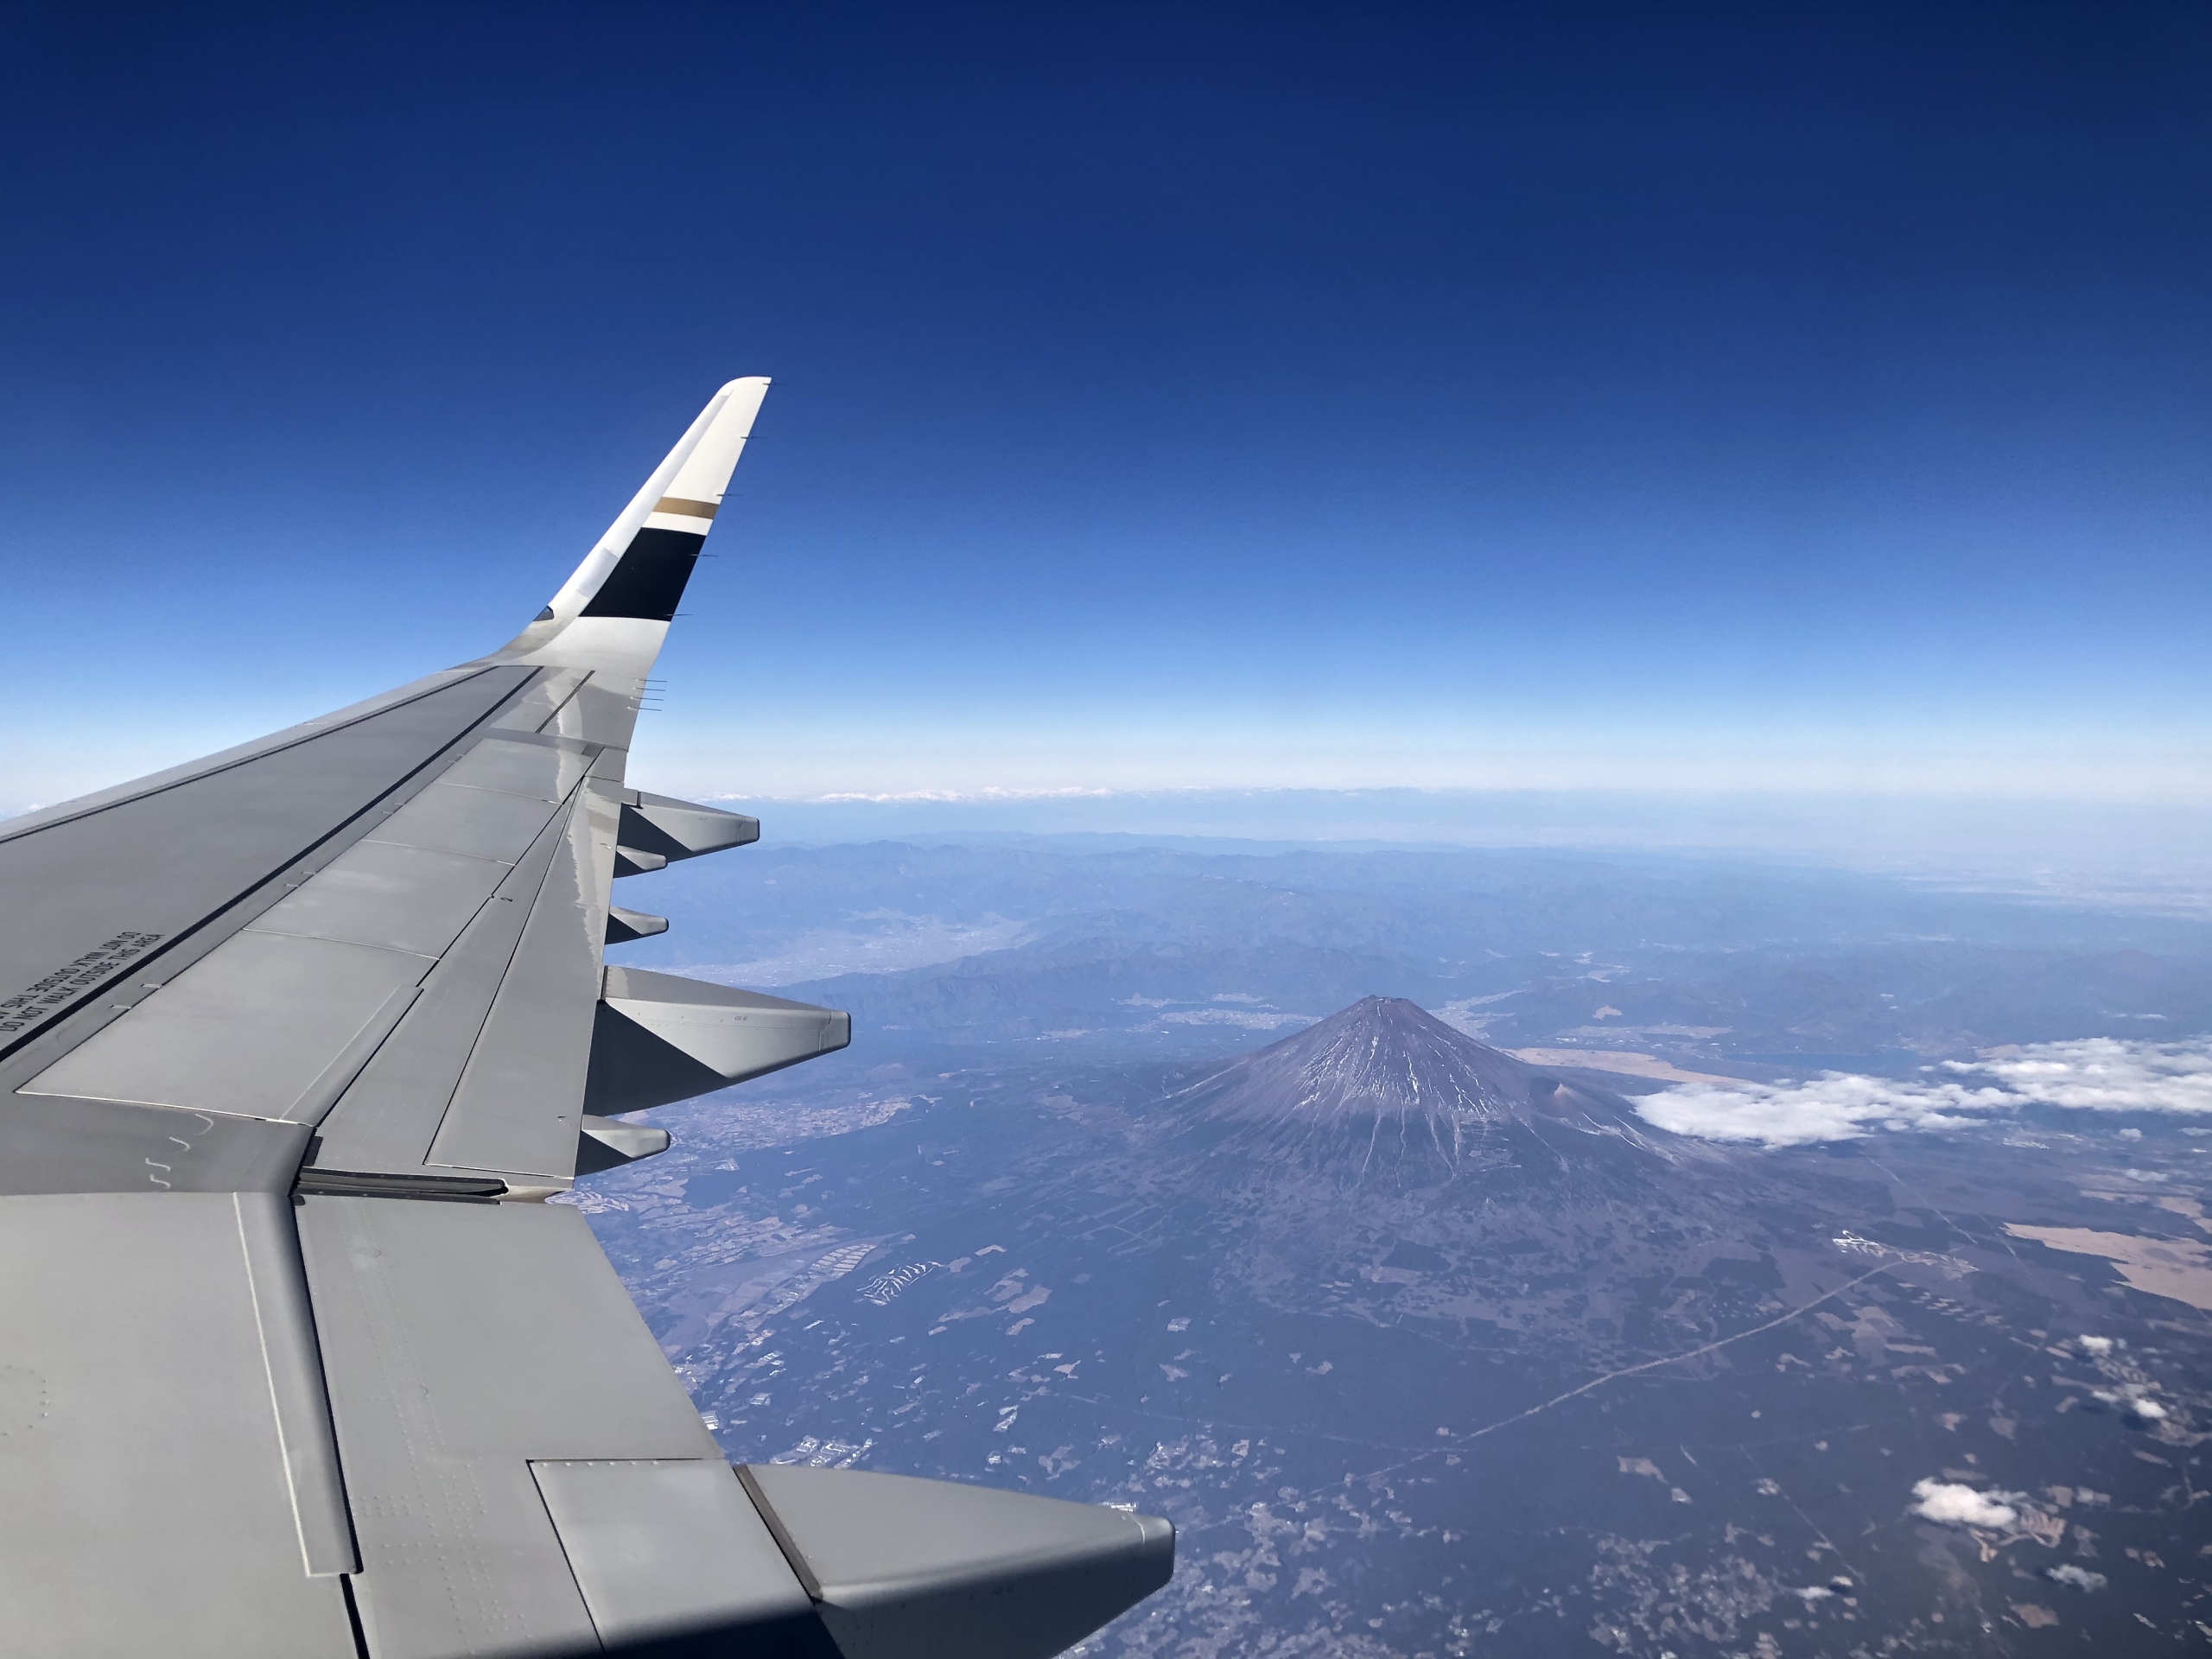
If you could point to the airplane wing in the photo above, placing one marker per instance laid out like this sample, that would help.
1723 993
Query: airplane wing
294 1359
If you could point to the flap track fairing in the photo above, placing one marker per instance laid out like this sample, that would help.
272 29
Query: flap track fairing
661 1038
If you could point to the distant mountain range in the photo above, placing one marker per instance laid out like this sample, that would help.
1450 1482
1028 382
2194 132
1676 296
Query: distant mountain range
1709 967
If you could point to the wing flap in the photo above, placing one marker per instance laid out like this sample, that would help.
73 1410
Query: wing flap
278 1019
390 1113
671 1548
465 1343
518 1104
164 1489
61 1144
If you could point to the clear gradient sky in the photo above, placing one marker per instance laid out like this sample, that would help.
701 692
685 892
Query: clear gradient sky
1559 396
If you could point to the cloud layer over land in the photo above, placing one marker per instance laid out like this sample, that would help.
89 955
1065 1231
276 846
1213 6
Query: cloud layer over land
2100 1074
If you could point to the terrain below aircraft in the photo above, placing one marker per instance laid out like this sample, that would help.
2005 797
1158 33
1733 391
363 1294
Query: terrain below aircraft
295 1359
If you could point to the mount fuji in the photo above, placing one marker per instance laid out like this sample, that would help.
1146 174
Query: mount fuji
1384 1091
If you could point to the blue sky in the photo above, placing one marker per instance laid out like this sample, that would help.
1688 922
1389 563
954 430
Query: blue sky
1551 396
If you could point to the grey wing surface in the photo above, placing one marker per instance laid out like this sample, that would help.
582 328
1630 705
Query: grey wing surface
294 1358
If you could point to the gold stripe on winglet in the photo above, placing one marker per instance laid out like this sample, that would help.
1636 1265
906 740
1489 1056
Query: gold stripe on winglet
688 509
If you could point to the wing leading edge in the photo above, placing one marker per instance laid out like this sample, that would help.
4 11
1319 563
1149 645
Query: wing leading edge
294 1359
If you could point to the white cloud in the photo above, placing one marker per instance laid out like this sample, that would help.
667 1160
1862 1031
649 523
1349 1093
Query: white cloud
2100 1074
2098 1345
2150 1411
1962 1506
2079 1577
1835 1106
2104 1074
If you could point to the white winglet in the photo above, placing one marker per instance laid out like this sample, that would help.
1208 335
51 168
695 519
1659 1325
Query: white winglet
665 521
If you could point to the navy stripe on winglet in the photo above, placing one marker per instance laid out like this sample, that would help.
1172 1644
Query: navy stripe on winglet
648 579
